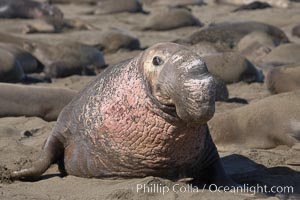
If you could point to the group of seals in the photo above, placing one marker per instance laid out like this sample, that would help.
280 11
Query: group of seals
21 56
27 9
144 116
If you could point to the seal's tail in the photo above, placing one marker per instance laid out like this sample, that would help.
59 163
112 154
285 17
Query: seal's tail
52 151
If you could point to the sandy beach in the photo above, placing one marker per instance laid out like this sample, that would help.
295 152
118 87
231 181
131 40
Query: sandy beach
22 137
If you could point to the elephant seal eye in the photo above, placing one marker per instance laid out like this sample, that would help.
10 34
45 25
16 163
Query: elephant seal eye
157 61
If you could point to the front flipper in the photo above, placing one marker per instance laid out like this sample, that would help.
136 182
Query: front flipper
215 174
52 152
209 168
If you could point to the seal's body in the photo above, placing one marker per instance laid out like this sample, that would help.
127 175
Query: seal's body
145 116
23 100
67 58
27 9
258 125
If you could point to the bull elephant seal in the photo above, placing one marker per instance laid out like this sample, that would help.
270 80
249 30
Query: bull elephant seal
146 116
264 124
38 101
67 58
27 9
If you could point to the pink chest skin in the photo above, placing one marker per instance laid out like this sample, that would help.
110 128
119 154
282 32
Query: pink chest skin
126 135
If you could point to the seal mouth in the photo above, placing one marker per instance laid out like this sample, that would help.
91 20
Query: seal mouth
170 109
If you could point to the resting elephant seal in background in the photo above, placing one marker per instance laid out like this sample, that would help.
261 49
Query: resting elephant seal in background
146 116
43 102
10 68
56 25
66 58
27 9
28 63
283 79
230 33
267 123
